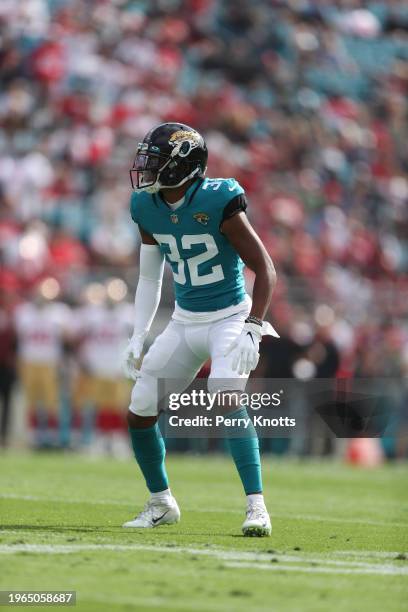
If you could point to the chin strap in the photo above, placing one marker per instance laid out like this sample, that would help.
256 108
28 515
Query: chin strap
157 185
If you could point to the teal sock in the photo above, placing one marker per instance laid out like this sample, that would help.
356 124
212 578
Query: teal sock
243 445
149 450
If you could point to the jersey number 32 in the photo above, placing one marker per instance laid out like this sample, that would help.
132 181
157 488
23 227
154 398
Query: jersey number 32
187 241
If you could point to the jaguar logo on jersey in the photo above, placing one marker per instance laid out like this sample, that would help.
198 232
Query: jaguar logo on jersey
183 142
174 218
202 218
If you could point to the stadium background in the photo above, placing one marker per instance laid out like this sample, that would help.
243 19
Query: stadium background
305 103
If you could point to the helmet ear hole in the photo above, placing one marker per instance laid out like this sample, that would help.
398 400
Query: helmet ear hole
185 148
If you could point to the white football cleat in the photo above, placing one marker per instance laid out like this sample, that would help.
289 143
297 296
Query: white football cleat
155 513
257 523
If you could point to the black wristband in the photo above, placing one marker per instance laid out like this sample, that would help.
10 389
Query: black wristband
252 319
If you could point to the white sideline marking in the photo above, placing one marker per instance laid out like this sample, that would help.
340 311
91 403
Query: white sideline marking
377 570
294 517
63 500
234 558
216 553
374 554
370 553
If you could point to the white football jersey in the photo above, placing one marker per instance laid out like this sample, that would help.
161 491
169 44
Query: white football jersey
103 333
41 330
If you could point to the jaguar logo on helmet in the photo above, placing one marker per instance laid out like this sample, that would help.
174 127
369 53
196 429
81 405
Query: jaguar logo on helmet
183 142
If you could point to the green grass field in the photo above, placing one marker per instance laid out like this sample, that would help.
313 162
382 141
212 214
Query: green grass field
338 538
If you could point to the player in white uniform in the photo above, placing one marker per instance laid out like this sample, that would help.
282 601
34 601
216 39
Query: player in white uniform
104 332
101 332
42 327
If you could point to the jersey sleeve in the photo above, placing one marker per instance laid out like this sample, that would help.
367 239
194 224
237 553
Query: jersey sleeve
237 204
234 198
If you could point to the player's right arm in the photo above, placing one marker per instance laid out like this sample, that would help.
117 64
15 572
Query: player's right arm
147 299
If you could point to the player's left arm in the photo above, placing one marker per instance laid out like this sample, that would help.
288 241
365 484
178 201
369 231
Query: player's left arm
244 239
246 242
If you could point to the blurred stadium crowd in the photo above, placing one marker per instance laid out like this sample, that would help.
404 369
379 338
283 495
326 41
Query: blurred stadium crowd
304 102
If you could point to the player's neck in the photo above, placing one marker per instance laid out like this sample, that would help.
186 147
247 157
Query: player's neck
176 194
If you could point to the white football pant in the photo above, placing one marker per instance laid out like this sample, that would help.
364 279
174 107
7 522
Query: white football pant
180 352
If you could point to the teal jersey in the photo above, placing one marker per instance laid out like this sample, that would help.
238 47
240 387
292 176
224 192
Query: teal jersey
207 270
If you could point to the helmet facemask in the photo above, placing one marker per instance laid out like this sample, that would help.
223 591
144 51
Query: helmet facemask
144 174
153 171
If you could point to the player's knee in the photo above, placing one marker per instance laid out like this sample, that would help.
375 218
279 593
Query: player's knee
136 421
144 398
229 401
224 383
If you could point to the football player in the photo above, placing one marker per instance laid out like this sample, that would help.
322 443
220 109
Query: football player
42 328
101 331
200 227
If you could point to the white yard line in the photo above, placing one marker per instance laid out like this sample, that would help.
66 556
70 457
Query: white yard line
68 500
303 556
233 558
378 554
377 570
294 517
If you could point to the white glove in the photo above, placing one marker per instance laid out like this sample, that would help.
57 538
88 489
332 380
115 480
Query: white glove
245 347
132 357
